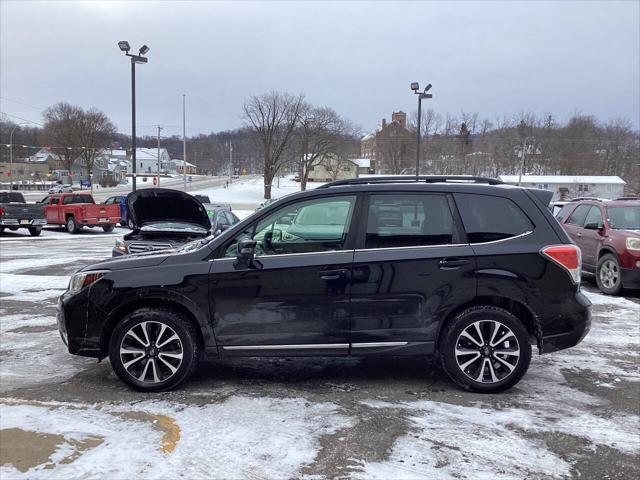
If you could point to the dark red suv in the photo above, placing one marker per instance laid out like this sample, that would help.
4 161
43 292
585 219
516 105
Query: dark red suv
608 234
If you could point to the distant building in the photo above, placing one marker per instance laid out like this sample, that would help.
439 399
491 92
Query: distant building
147 161
389 145
332 169
179 167
566 187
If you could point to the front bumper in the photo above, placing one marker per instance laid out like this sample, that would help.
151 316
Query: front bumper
630 278
580 324
72 312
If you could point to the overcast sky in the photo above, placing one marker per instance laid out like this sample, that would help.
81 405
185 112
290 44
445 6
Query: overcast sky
493 58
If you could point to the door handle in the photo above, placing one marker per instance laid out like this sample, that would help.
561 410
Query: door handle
452 263
333 274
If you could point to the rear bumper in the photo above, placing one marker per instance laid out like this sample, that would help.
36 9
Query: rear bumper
580 324
15 222
100 221
630 278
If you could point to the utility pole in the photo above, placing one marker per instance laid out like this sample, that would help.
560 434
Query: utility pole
230 162
184 142
158 176
11 154
522 130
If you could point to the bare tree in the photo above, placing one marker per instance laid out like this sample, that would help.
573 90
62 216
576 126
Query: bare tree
273 117
63 123
95 132
320 134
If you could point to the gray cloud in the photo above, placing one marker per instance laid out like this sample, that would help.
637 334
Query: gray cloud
490 57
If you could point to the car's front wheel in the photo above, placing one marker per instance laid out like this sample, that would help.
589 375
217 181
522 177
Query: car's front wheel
130 224
154 349
608 275
485 349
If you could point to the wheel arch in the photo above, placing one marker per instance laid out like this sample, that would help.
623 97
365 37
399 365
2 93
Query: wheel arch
604 250
119 313
528 318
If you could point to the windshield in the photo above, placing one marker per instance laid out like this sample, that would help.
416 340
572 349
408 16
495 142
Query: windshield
624 218
173 226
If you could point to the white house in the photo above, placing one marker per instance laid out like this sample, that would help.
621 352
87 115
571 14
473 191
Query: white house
364 165
565 187
147 161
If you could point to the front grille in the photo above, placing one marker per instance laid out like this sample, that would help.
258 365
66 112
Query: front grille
147 247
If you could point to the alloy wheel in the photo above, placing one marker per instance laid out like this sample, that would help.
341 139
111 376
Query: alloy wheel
151 352
609 274
487 351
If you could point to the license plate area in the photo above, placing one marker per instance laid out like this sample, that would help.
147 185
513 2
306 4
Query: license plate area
24 222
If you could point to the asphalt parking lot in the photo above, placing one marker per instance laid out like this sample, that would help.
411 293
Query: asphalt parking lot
575 414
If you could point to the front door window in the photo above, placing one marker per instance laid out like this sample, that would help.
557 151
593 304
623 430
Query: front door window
317 225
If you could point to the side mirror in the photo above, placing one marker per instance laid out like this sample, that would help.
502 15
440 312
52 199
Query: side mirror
593 226
224 227
284 220
246 253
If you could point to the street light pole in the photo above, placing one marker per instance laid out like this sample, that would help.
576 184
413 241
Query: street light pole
184 142
415 87
140 58
133 125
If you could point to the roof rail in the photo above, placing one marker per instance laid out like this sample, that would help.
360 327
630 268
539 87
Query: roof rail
414 179
579 199
629 198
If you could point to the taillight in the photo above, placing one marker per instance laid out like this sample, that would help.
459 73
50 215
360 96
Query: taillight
568 257
1 211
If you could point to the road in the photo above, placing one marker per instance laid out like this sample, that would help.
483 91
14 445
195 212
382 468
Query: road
177 183
575 414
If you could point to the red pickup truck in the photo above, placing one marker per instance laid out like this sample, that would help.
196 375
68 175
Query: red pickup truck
76 210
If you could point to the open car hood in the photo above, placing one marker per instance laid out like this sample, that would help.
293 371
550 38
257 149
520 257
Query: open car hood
151 205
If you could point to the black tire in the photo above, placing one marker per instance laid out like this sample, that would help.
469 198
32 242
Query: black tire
71 225
123 224
108 228
130 224
188 343
609 275
35 231
491 364
1 230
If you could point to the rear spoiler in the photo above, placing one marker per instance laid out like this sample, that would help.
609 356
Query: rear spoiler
543 196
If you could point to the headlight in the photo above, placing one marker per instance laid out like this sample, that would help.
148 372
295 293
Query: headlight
120 246
633 243
84 279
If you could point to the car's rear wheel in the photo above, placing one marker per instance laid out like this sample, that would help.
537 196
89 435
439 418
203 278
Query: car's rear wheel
71 225
108 228
35 231
609 275
485 349
154 349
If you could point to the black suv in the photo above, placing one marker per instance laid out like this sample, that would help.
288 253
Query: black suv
464 268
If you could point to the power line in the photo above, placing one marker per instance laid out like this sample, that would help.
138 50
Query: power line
22 103
20 118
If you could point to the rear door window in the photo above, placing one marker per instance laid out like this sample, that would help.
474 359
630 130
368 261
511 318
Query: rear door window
488 218
408 220
578 215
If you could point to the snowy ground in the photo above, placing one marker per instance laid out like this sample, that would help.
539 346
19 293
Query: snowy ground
575 414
